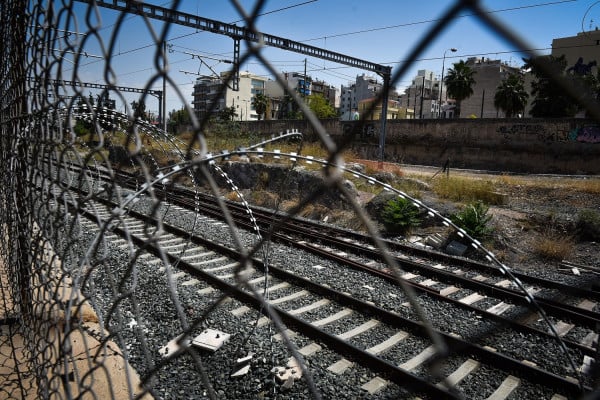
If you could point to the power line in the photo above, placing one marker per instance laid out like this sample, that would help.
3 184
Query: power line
194 33
434 20
356 32
493 53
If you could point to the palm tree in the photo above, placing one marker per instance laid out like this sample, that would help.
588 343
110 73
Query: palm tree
511 96
260 103
459 83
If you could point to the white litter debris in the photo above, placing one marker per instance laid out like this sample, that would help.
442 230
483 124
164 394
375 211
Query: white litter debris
242 366
211 339
288 374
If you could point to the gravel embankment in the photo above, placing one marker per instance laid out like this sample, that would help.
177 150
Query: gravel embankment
153 310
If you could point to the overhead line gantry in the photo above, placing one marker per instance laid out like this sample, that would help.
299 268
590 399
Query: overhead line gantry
239 33
157 93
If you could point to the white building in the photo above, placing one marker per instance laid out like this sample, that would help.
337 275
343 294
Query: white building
422 95
365 87
280 106
207 89
489 74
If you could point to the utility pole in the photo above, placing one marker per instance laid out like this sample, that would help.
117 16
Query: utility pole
304 88
384 108
482 100
164 96
415 105
422 94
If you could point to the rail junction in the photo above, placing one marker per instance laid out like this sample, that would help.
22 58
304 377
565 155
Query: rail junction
319 300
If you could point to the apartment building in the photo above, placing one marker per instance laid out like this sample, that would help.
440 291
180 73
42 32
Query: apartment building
420 99
581 51
207 92
329 92
281 105
393 110
489 74
365 87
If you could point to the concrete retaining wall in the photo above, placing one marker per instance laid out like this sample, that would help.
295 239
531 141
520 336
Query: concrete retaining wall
564 146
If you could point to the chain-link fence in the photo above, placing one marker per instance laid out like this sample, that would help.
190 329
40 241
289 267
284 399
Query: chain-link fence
80 310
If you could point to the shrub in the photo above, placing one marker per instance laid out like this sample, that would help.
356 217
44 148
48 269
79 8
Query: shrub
588 225
553 246
400 215
314 211
232 196
474 220
466 189
264 199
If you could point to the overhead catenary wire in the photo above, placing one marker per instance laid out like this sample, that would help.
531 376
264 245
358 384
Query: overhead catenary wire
330 36
358 31
390 63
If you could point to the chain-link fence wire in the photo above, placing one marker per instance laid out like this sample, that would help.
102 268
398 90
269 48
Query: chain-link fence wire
79 306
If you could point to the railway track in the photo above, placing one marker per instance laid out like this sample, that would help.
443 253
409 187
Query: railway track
350 321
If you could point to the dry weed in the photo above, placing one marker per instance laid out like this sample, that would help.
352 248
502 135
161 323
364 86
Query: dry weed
553 246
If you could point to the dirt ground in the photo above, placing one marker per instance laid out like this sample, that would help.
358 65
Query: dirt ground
537 209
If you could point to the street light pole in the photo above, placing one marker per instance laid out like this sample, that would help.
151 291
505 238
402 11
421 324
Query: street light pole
452 49
422 95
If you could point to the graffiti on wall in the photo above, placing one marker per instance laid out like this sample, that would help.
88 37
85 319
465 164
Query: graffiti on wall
539 131
515 129
368 130
586 134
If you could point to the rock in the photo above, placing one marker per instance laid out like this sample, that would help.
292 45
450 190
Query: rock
375 207
456 249
273 177
358 167
386 177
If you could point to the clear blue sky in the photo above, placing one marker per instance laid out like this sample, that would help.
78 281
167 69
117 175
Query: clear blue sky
381 31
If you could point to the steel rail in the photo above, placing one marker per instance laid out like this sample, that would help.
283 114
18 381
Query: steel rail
364 358
587 318
459 346
584 317
396 374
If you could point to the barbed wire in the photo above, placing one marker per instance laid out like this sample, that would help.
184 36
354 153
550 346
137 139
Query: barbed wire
86 306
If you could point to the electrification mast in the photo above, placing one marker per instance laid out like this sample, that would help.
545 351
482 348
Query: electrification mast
238 33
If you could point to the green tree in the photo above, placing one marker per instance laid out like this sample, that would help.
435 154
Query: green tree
228 114
586 84
289 109
549 99
260 103
459 83
178 118
82 127
139 109
591 85
511 96
320 106
104 100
